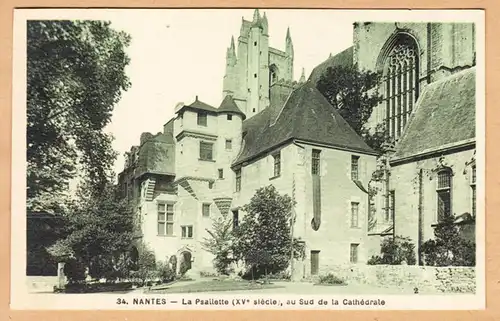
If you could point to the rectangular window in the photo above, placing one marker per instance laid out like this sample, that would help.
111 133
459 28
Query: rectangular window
315 165
238 180
187 232
392 204
443 194
354 253
229 144
354 214
314 262
206 210
202 119
165 219
229 117
206 151
277 164
221 173
354 168
236 218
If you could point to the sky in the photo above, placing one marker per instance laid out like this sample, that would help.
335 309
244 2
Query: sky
179 54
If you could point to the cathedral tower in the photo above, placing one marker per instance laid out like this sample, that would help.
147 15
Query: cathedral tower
253 67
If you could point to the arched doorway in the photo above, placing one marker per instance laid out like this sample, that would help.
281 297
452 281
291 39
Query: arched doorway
185 265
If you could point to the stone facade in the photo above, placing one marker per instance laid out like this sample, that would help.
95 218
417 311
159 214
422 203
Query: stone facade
209 161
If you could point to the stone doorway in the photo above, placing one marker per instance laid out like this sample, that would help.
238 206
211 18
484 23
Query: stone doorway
185 265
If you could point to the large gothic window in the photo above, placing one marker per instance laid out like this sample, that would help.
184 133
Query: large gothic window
401 84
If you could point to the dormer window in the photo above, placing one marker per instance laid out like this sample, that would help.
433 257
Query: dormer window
229 117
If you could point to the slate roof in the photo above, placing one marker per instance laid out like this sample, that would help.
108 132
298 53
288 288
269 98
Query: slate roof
199 105
444 115
343 58
306 115
229 106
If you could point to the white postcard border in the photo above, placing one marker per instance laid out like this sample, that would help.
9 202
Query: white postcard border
21 299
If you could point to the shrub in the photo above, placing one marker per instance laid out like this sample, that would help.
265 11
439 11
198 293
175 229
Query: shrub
165 272
395 251
173 263
75 271
330 278
207 274
448 247
283 275
184 267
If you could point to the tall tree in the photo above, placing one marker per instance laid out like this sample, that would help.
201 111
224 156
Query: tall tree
264 239
75 76
354 94
98 233
219 243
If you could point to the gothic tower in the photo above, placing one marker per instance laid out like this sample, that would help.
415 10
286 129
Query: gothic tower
253 67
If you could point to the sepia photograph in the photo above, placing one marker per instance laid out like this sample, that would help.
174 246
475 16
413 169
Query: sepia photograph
182 157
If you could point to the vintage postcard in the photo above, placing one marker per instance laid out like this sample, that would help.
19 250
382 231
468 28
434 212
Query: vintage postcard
248 159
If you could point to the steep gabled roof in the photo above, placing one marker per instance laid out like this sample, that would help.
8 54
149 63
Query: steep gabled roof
445 114
343 58
307 116
199 105
229 106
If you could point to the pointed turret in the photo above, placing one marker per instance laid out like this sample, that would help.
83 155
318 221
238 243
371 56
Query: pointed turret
256 15
289 43
302 76
231 53
265 25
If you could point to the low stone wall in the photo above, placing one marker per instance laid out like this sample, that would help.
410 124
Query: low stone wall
425 278
41 283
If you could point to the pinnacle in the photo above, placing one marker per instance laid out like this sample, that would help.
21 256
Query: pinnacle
256 15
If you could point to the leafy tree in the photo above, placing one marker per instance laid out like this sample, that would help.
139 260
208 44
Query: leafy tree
98 233
394 251
75 76
263 240
354 94
448 248
219 243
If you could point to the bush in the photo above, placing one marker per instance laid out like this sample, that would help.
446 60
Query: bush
165 272
173 263
206 274
395 251
331 279
75 271
448 248
283 275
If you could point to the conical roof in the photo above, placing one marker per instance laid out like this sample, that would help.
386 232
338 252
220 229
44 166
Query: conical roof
229 106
